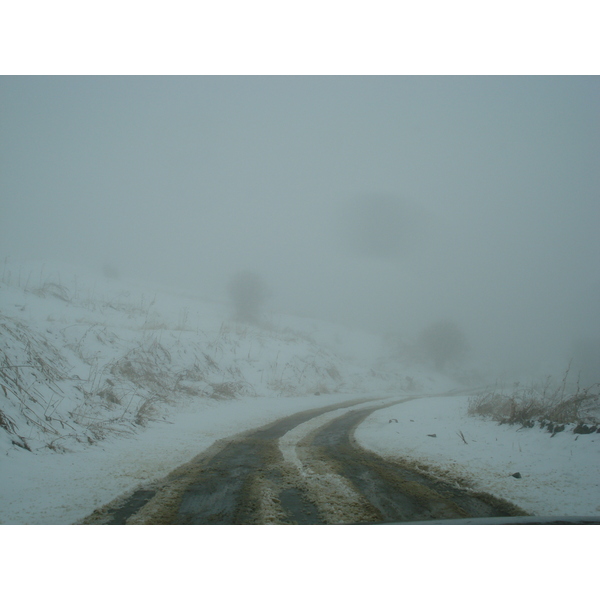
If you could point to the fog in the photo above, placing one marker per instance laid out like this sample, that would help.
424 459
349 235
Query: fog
384 203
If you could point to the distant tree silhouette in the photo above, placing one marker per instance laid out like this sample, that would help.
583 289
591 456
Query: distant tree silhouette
586 360
248 292
441 343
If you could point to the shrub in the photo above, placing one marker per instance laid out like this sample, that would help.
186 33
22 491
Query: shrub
552 407
248 293
440 344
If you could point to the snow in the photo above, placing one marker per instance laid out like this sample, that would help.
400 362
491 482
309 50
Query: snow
63 488
560 475
335 498
109 384
113 384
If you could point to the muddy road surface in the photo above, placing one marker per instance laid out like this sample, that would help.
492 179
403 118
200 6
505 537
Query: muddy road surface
304 469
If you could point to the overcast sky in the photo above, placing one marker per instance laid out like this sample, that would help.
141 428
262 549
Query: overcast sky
386 202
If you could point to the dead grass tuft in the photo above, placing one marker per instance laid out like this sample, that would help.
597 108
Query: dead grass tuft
551 407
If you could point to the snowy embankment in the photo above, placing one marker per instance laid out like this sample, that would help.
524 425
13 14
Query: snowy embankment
105 386
53 488
559 475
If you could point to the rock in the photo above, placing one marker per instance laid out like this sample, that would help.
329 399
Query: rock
581 428
516 475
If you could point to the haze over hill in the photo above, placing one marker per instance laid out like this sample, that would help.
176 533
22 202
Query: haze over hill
386 203
84 358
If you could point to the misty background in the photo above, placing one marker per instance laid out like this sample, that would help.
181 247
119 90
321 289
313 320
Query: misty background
385 203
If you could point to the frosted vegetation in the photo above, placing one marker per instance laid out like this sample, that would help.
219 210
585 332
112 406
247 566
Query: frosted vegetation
83 358
549 405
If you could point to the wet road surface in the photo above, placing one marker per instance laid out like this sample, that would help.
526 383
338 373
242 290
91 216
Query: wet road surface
329 479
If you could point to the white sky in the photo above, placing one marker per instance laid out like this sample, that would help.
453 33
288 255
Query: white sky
387 202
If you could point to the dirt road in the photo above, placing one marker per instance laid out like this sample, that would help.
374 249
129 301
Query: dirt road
303 469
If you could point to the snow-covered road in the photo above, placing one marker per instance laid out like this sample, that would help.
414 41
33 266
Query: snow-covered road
559 475
56 488
303 469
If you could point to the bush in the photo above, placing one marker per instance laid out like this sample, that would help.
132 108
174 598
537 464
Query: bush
248 293
549 406
440 344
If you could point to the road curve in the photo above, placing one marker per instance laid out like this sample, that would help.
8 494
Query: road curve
303 469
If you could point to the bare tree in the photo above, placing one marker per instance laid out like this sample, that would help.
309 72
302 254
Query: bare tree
441 343
248 292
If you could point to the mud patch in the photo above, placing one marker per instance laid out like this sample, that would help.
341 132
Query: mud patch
303 469
398 492
297 507
265 498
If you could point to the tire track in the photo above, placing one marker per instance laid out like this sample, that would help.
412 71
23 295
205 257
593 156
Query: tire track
303 469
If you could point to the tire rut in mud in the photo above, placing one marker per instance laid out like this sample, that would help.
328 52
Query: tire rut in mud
245 480
236 481
398 492
244 485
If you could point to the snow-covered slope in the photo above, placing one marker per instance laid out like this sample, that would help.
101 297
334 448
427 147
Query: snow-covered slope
105 385
544 474
84 358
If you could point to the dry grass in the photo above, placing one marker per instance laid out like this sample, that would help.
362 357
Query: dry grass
53 289
550 407
230 389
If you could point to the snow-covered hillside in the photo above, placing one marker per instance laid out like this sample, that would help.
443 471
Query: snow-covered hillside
106 385
95 372
85 358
